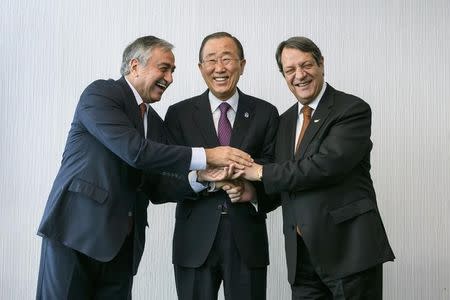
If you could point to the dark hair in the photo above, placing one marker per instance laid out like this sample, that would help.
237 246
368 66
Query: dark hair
141 49
218 35
300 43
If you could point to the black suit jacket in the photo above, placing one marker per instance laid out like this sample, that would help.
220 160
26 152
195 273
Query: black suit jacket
327 189
99 178
190 123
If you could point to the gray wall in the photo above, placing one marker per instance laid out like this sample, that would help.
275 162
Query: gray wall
393 54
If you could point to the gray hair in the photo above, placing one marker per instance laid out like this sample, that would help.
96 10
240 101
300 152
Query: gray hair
300 43
141 49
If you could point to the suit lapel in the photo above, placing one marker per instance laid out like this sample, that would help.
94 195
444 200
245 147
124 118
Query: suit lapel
244 115
288 141
319 117
203 120
155 128
131 107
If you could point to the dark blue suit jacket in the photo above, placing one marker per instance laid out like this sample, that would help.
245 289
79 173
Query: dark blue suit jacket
99 179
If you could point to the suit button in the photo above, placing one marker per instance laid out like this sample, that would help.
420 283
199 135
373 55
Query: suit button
219 207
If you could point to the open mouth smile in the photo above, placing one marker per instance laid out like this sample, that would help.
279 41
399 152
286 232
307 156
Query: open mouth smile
162 85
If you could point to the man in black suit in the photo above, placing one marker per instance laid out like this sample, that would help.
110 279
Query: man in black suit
216 240
334 238
94 221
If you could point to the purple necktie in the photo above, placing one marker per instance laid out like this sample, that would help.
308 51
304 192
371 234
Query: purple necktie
224 127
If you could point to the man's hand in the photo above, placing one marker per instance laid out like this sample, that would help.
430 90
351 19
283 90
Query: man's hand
253 173
223 156
219 174
239 190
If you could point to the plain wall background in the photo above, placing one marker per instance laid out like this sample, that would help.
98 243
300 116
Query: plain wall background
393 54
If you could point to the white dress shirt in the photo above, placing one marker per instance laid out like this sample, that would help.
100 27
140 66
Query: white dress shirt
214 103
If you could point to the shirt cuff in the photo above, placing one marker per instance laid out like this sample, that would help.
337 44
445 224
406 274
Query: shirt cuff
198 159
195 185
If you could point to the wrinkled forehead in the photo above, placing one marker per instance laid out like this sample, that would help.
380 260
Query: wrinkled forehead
159 55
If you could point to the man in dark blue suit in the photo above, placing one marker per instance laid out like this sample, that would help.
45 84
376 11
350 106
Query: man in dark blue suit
93 226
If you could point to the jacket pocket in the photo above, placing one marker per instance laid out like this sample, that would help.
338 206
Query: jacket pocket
88 189
352 210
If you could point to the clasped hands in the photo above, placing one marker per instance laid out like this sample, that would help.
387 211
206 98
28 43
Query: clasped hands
233 179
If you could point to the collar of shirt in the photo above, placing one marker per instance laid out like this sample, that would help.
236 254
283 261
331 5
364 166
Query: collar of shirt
139 101
215 111
313 104
215 102
137 96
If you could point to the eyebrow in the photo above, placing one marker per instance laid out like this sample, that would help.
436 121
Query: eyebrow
222 53
167 65
300 64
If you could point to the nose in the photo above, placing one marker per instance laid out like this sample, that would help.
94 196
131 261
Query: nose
219 66
168 76
299 72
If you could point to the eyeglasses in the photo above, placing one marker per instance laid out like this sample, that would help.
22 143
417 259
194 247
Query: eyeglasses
224 60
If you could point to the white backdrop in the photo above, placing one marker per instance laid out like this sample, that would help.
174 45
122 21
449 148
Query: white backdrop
393 54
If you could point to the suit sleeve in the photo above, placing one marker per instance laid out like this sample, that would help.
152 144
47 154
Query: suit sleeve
268 203
341 150
102 114
163 188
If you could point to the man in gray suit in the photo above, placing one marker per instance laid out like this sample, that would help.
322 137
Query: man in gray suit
94 221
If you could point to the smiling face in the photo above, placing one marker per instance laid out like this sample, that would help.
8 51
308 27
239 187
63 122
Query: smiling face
304 76
152 79
221 66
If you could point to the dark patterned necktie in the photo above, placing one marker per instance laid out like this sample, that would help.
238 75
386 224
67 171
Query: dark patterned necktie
224 126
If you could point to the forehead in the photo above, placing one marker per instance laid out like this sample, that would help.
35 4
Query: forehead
217 46
291 55
162 56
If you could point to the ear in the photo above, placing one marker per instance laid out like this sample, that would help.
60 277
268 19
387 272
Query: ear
242 63
134 64
321 61
322 65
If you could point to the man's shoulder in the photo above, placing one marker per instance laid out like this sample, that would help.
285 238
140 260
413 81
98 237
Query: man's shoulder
115 91
187 103
258 102
346 99
108 86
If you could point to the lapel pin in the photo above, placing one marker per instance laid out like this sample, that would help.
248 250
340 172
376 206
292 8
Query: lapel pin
246 115
316 120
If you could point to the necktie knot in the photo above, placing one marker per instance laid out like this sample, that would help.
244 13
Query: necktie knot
307 111
142 109
224 107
